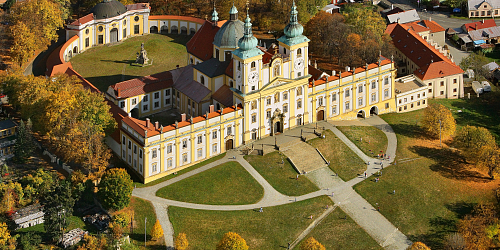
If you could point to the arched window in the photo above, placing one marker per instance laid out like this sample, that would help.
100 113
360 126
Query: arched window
202 80
276 97
191 60
254 105
276 70
253 65
239 65
299 91
299 52
231 84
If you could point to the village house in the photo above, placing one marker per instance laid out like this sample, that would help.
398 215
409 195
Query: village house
7 139
28 216
483 8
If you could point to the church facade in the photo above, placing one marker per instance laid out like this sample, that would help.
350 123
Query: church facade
233 92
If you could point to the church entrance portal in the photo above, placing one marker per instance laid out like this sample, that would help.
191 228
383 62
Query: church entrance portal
229 144
321 115
113 35
277 127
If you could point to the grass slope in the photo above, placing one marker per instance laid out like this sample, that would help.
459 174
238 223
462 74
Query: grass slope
226 184
271 229
339 231
434 187
343 161
107 65
374 140
280 176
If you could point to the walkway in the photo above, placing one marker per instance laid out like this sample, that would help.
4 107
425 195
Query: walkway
375 224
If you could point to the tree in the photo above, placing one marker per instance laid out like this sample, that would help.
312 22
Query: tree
438 121
455 241
115 188
489 158
418 246
24 142
42 182
312 244
232 241
156 231
181 242
6 240
476 61
472 139
58 207
24 43
30 241
116 230
473 226
93 243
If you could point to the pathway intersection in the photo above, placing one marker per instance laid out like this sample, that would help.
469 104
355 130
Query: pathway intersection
366 216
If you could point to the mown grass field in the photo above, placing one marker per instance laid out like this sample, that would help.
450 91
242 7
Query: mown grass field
281 176
226 184
370 140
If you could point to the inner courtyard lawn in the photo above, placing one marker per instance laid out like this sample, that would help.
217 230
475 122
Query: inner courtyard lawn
374 140
343 161
281 176
339 231
433 186
226 184
271 229
108 64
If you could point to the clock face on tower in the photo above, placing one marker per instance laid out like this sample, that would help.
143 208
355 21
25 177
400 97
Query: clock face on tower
253 77
299 64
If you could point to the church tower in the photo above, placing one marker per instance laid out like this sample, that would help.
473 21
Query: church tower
247 61
295 46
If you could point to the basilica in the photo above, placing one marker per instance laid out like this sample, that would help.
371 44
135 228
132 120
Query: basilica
232 92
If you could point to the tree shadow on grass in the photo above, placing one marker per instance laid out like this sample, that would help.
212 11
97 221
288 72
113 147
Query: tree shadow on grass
408 130
119 61
103 82
139 238
450 164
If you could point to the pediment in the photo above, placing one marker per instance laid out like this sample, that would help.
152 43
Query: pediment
276 83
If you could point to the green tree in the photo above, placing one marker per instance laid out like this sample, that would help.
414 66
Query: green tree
58 207
181 242
489 159
312 244
24 142
115 188
156 231
30 241
476 61
232 241
42 182
438 120
472 139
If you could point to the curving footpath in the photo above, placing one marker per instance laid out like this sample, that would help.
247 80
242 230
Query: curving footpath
366 216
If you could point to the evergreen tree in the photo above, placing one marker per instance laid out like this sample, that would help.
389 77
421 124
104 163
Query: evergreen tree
58 207
24 143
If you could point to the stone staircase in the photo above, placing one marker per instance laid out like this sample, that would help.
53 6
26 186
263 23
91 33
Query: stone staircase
304 157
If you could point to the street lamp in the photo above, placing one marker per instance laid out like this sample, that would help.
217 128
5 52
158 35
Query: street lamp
145 221
440 133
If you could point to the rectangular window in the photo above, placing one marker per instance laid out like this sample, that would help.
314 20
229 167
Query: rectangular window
442 83
135 149
129 159
268 101
200 153
374 85
418 103
254 136
129 145
374 98
347 106
320 101
169 163
229 130
122 104
334 97
154 167
184 158
136 29
386 81
167 92
442 93
285 96
347 93
386 93
134 101
254 118
214 148
87 42
214 134
140 153
100 39
411 105
334 110
154 154
299 104
411 98
184 144
140 167
123 140
455 80
268 114
157 95
360 89
200 139
386 105
167 101
157 104
360 102
124 33
430 84
454 90
430 90
169 148
423 102
145 107
423 93
285 109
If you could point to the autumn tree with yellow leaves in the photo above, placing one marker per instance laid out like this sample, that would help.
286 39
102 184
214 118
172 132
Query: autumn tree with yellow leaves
6 240
181 242
311 244
418 246
156 231
232 241
438 121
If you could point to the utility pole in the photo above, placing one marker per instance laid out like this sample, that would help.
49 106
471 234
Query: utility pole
440 133
145 222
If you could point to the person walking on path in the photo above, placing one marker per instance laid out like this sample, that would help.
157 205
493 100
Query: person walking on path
365 175
260 211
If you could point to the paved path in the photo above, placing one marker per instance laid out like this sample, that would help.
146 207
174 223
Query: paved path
168 229
352 203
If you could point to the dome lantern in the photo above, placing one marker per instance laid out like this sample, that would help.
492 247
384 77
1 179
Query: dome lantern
294 28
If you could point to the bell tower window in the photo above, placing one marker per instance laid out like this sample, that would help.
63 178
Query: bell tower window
217 53
253 65
227 56
202 80
299 52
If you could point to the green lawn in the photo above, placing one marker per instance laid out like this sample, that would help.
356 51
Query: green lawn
142 209
343 161
139 184
280 176
339 231
434 188
271 229
370 140
226 184
107 65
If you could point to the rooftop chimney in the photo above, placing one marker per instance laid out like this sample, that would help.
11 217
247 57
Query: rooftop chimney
333 72
147 122
392 6
157 125
430 19
347 68
211 109
482 21
183 117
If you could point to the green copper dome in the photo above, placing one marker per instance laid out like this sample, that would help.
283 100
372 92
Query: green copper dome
248 41
233 10
294 28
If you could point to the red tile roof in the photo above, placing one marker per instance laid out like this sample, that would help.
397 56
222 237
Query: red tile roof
425 25
142 85
224 95
479 25
83 20
316 73
200 45
425 56
55 62
137 6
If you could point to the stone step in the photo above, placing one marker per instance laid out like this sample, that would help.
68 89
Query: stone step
304 156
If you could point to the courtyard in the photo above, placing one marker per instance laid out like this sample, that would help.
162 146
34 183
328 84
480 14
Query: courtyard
109 64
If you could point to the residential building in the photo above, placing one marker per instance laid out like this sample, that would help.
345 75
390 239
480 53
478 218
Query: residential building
443 78
483 8
28 216
411 94
404 17
7 139
430 31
